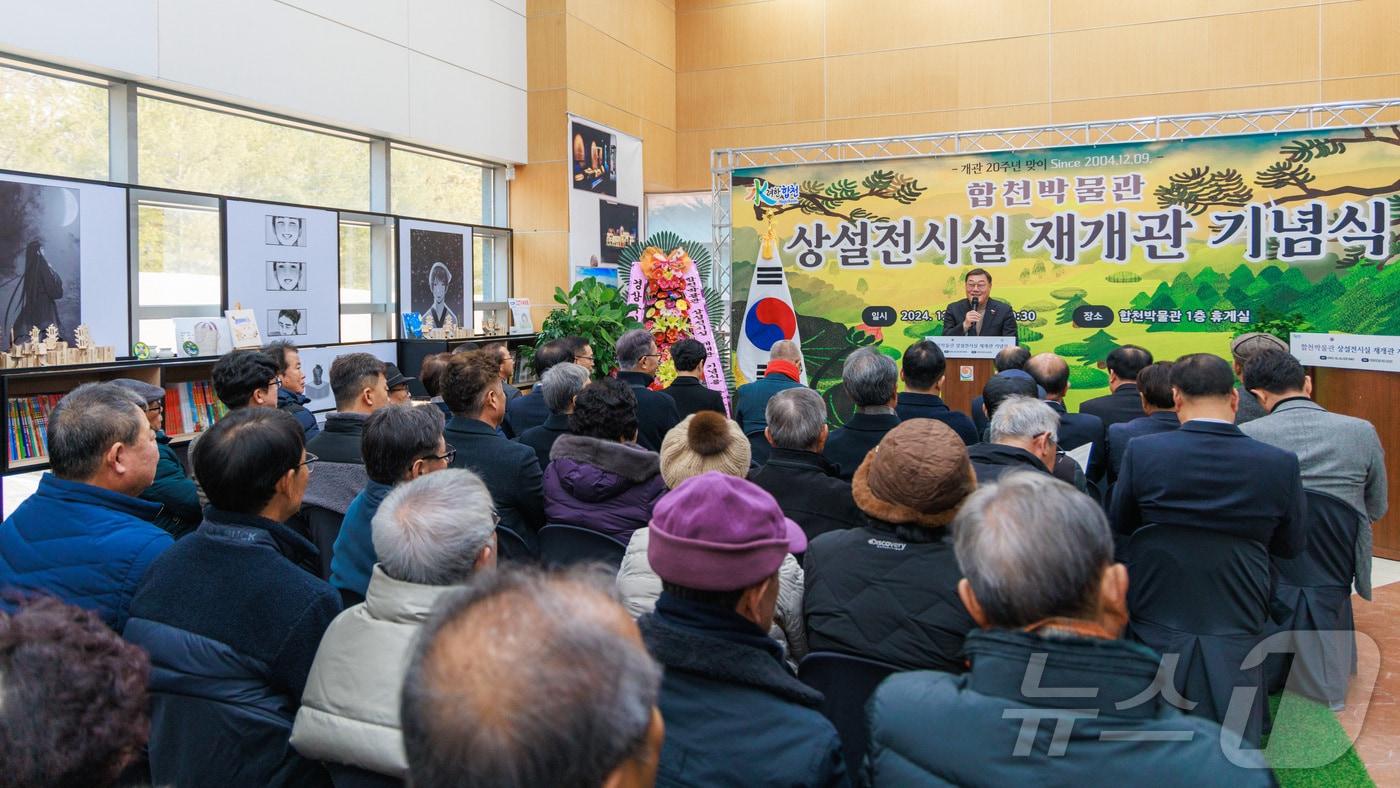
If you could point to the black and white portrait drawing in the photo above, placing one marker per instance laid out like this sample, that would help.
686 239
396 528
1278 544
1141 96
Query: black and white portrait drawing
286 322
285 231
436 270
40 264
286 275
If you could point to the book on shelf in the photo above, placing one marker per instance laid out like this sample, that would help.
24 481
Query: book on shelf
28 420
191 407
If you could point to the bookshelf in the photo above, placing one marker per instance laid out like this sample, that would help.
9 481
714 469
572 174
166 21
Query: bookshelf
29 393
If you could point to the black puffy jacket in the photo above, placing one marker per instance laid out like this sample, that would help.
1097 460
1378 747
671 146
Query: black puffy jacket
232 624
888 593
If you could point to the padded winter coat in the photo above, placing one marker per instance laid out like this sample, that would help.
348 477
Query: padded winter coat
605 486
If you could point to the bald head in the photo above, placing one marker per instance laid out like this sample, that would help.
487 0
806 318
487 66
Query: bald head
1051 373
524 678
786 350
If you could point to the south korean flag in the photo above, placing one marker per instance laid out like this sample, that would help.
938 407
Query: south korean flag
769 317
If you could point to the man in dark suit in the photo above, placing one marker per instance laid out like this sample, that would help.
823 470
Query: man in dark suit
528 411
1076 429
871 380
979 314
1010 361
923 372
688 390
1124 363
1209 474
560 385
637 360
1155 389
472 388
804 483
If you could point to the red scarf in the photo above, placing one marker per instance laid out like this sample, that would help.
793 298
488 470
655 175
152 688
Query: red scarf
783 367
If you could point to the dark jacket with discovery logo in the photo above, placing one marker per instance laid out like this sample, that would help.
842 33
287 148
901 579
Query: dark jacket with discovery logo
889 593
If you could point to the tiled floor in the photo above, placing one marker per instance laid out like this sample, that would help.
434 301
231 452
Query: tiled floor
1378 721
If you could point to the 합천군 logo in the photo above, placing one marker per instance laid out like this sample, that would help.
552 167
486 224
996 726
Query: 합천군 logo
765 193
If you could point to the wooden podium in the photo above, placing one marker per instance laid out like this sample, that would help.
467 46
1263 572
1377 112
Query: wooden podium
969 367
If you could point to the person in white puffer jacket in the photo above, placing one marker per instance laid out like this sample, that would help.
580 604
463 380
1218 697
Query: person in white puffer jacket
430 535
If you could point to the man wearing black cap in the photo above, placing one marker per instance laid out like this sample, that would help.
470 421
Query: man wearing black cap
398 385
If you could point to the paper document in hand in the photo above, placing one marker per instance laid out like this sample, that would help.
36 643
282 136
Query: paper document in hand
1081 454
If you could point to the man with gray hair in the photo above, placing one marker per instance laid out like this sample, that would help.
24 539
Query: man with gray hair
525 679
1023 436
872 382
84 536
560 384
1040 581
806 486
637 360
431 535
783 371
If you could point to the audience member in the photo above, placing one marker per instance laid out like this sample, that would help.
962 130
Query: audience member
558 388
1338 455
171 488
784 371
1076 429
1122 404
702 443
689 389
401 443
1155 389
736 714
431 374
568 700
923 372
1009 362
430 534
1022 436
507 373
581 350
72 698
887 590
637 360
83 536
291 389
1039 579
530 411
807 487
1209 475
232 618
1243 348
246 377
472 387
357 381
397 382
871 380
598 477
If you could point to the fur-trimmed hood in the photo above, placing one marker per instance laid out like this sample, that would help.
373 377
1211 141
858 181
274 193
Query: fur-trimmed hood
626 460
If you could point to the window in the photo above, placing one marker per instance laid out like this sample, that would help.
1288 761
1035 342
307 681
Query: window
52 125
177 263
428 186
196 147
366 303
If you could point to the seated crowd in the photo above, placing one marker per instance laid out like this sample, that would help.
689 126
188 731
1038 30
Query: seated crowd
370 599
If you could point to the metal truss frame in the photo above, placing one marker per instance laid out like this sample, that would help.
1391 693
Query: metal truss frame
724 161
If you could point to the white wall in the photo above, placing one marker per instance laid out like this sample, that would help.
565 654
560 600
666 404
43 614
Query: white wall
448 74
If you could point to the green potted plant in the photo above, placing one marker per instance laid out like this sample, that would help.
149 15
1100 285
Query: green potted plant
592 310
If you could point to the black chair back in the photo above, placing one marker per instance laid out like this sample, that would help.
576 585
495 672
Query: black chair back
512 547
565 545
1201 597
323 526
846 684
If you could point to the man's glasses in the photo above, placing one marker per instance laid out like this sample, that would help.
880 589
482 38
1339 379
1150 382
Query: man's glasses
310 458
448 457
155 407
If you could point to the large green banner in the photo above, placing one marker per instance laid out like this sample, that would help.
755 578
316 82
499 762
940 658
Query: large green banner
1174 246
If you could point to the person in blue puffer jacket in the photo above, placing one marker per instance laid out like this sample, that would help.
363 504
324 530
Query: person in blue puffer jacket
83 536
291 394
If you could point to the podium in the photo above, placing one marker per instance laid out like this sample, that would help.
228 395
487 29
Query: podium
969 367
